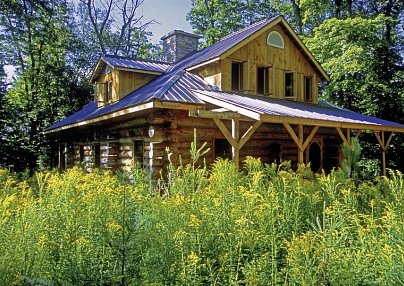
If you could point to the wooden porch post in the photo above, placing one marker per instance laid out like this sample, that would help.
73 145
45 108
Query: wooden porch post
299 140
235 132
300 145
234 137
384 145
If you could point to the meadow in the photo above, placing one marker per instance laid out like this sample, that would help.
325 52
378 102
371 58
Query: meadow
263 225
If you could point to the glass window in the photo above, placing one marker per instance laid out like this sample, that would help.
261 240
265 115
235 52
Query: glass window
97 155
307 88
109 91
237 76
262 80
275 39
138 150
289 84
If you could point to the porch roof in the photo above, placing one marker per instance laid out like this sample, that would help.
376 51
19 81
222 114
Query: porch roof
288 111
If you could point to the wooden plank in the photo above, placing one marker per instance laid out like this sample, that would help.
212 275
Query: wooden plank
381 143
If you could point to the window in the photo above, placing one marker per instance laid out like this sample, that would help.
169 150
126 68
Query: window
81 153
307 88
275 40
97 155
289 84
138 150
222 149
237 76
108 97
262 80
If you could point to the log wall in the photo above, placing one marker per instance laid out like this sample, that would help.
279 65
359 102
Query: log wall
173 132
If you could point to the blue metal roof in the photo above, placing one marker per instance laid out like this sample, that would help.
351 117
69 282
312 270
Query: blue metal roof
174 87
222 46
288 108
137 64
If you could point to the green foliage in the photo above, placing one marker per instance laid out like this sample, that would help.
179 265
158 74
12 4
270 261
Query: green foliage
265 225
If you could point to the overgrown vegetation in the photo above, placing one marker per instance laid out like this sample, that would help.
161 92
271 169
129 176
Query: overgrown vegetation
265 225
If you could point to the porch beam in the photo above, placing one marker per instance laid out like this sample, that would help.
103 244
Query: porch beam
342 135
310 137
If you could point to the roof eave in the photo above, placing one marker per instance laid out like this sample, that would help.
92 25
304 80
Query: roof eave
156 103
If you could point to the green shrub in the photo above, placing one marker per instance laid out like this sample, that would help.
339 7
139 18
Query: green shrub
262 225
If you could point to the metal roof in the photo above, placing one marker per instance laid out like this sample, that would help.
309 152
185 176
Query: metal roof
288 108
137 64
117 62
174 87
222 46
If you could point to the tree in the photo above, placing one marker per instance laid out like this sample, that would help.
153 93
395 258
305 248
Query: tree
38 37
117 27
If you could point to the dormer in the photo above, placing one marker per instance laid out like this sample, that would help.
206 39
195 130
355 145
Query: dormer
115 77
271 61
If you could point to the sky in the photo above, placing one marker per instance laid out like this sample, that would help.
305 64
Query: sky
170 14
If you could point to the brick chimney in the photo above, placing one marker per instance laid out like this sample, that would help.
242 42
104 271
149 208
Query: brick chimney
178 44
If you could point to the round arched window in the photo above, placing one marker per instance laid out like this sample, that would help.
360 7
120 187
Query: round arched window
275 39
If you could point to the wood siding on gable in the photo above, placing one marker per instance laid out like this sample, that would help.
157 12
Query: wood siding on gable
123 83
278 61
130 81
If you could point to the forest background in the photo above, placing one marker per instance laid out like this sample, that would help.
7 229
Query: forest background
54 44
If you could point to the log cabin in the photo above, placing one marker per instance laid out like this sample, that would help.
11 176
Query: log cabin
253 93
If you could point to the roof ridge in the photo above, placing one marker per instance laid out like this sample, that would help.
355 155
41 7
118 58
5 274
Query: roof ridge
247 28
169 83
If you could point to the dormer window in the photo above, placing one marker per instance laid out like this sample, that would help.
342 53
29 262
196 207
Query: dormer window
237 76
275 40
